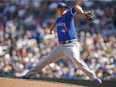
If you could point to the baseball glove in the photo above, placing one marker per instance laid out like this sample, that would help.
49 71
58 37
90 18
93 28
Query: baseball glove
90 15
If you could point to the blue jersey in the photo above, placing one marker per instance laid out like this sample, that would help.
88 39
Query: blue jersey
65 26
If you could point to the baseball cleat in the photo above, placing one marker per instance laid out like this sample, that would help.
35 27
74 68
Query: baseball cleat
97 81
24 77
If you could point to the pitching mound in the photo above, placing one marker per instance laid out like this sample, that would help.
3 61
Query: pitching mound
12 82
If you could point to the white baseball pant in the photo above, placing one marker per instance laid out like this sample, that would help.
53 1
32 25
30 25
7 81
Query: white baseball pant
62 50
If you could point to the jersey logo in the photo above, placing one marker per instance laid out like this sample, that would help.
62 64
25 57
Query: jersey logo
64 30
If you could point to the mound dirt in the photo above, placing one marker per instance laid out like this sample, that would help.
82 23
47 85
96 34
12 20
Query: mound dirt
14 82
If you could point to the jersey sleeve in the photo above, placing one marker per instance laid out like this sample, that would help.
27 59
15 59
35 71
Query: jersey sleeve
72 11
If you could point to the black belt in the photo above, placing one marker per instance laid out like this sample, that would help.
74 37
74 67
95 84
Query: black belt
66 42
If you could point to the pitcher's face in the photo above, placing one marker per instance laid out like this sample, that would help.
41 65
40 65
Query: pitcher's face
61 11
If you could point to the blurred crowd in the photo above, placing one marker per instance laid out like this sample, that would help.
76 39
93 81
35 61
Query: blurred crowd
25 39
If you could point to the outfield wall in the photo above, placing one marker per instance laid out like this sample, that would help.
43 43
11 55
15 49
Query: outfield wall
88 83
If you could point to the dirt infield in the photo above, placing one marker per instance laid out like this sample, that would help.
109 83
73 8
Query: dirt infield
13 82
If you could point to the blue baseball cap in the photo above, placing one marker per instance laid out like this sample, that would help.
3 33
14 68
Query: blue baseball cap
60 5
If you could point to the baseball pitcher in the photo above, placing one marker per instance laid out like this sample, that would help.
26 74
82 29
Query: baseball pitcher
68 45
